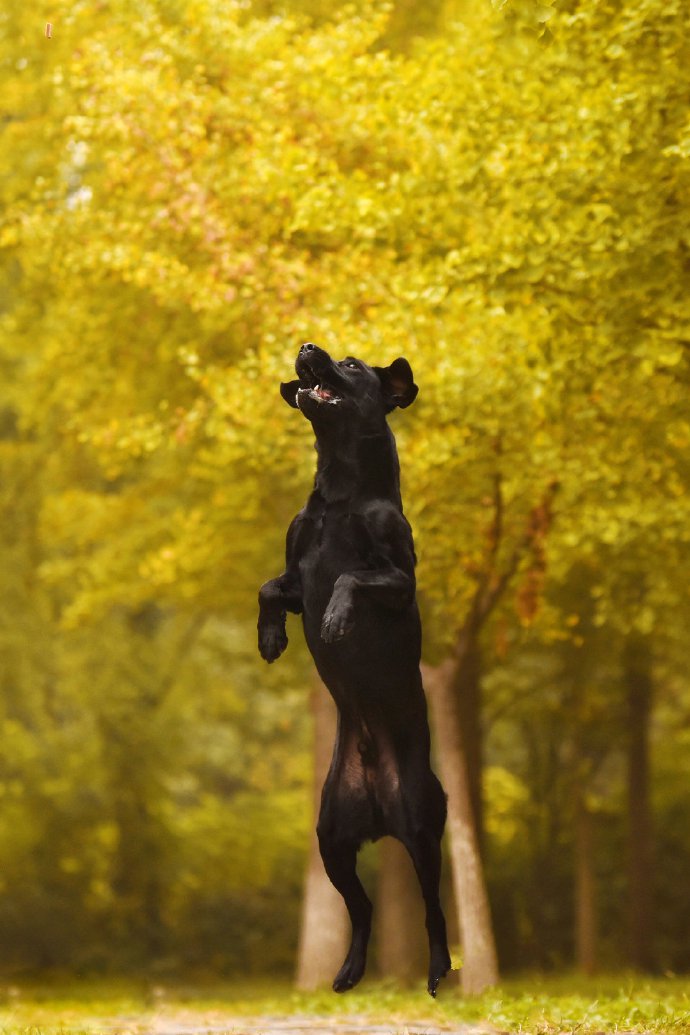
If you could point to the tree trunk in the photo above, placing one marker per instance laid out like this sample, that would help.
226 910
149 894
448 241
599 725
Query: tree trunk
480 966
637 662
467 691
401 944
325 926
585 890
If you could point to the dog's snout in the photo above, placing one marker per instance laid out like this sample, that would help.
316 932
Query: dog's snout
311 359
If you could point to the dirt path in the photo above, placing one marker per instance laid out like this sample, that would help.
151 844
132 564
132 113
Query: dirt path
191 1023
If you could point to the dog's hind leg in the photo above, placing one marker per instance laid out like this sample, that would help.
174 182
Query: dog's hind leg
422 837
340 860
425 851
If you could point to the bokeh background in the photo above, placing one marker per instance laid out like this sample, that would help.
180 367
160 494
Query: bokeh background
189 189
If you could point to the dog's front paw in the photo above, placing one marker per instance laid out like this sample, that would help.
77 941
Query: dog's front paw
272 640
338 620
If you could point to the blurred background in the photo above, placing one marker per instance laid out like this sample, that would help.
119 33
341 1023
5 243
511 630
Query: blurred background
189 190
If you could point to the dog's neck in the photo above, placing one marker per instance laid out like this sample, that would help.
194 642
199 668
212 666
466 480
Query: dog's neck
365 468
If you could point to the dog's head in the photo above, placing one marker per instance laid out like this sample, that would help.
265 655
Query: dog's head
330 391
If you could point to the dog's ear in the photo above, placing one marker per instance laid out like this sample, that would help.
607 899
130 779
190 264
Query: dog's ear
398 384
288 390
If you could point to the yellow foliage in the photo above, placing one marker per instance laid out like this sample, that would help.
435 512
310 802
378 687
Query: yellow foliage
214 188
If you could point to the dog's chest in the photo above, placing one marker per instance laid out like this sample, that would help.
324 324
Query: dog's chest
338 543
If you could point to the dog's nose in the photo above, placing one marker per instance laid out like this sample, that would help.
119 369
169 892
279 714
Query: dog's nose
307 347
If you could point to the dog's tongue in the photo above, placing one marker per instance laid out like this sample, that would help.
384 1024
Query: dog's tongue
323 393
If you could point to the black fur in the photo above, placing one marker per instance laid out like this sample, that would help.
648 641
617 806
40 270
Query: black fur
350 573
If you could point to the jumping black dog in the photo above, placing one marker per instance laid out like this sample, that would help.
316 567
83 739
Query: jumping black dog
350 573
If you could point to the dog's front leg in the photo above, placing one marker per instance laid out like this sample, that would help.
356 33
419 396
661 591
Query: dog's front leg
278 596
390 587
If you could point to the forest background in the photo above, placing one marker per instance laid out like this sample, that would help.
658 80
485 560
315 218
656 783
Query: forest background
190 189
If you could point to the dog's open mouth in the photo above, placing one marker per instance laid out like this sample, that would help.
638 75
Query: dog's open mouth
315 390
322 393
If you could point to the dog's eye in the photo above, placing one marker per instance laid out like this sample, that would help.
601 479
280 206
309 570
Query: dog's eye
352 365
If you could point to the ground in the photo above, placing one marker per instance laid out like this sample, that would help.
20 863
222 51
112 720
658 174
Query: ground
530 1005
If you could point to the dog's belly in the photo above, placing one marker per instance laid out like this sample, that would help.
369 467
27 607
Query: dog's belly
363 793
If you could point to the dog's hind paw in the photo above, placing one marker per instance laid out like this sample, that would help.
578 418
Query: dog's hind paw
439 967
349 974
337 622
272 641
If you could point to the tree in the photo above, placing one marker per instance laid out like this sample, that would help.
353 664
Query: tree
325 926
637 664
400 940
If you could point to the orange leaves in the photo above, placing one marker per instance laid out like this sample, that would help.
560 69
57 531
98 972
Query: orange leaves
528 595
530 591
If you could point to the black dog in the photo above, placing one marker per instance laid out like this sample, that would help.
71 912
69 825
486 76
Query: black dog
350 572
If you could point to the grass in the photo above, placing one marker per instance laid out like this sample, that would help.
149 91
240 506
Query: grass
543 1006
